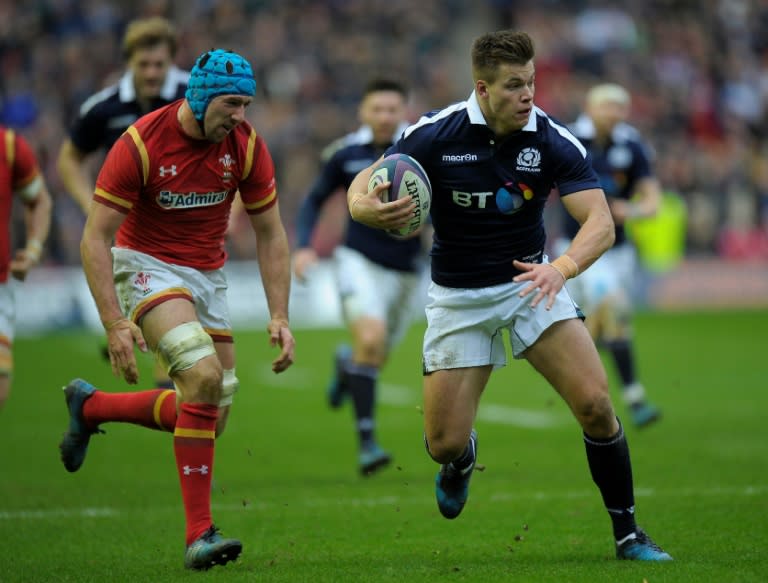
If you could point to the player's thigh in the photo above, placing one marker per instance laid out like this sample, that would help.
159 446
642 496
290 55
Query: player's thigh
566 356
451 398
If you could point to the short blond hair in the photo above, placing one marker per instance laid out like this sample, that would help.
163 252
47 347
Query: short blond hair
148 32
610 93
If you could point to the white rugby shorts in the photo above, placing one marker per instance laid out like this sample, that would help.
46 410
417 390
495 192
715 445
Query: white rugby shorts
141 282
8 309
370 290
465 326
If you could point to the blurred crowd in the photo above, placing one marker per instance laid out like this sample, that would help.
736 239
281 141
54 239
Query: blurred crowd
698 73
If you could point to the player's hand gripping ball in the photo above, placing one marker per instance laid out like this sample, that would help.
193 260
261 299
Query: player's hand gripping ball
407 177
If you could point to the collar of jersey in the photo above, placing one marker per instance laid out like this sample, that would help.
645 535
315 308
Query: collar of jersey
168 91
476 115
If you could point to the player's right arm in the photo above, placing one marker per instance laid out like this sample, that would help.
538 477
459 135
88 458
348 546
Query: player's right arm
329 181
367 208
71 166
117 182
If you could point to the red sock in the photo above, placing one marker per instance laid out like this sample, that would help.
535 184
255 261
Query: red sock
155 408
193 441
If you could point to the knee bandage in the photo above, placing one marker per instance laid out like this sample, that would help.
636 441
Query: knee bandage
184 346
229 388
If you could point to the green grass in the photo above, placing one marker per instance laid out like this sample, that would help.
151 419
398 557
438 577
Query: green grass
286 481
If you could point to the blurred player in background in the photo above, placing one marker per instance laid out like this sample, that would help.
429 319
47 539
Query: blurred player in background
492 161
605 292
377 275
19 175
164 195
150 81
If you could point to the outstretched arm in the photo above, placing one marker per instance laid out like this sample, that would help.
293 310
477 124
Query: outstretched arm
273 253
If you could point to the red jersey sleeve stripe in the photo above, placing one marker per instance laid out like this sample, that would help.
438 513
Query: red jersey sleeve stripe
142 149
10 147
249 154
116 201
259 205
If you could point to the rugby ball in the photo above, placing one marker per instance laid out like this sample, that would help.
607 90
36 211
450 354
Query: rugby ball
407 177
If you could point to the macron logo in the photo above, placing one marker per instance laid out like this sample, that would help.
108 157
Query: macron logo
459 158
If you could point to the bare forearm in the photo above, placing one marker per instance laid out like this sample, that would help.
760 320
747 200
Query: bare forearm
273 254
96 256
37 218
594 238
75 180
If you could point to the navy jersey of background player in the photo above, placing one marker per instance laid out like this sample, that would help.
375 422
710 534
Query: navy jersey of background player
104 116
345 158
488 195
620 164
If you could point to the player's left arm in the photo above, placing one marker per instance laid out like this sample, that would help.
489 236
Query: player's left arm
30 186
596 235
643 205
274 256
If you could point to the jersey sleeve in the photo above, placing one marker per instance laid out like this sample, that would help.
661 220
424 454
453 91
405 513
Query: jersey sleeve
574 170
25 168
121 177
642 166
258 189
87 131
331 178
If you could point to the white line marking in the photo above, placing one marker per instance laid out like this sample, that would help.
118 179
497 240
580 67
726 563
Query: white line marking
375 501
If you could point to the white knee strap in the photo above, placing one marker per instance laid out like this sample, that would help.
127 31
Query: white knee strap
184 346
229 387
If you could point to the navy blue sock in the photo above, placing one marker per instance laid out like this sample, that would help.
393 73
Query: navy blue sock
611 470
361 384
621 352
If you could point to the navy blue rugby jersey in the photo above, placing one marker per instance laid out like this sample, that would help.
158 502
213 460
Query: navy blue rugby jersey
344 158
488 194
620 164
105 115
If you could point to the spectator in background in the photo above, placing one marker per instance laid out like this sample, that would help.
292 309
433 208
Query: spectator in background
163 196
150 81
606 290
377 275
19 175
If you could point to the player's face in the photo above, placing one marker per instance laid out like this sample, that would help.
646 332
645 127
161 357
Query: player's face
383 111
224 114
508 101
150 66
606 114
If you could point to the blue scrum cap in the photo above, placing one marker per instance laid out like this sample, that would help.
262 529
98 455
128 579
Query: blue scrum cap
218 72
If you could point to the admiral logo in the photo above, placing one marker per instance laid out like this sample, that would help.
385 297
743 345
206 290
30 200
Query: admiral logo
459 158
184 200
528 160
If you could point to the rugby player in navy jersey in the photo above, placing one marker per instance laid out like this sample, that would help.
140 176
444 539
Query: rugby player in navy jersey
377 275
492 161
605 292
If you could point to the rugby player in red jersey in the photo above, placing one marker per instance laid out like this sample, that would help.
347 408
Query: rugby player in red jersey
19 175
164 195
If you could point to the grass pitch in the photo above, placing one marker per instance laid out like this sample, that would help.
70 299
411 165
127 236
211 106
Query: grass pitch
286 480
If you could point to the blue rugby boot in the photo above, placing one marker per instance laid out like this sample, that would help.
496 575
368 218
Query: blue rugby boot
373 458
452 485
74 443
640 548
644 414
337 388
211 549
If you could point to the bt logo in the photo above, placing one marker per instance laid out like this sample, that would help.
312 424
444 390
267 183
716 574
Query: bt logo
509 199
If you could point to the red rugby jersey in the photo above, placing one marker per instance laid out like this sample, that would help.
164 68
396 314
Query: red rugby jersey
18 167
177 192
